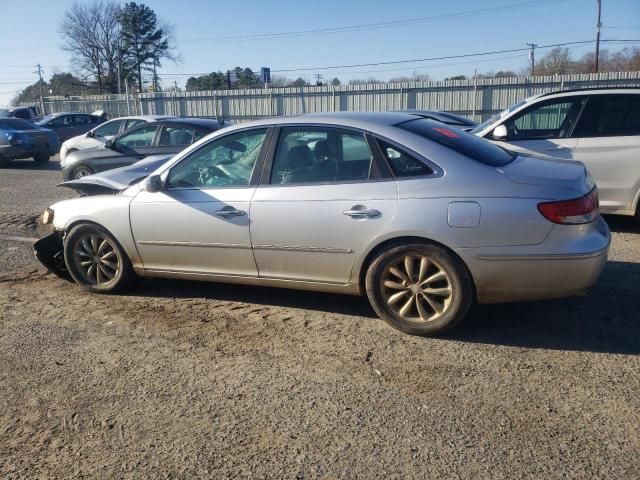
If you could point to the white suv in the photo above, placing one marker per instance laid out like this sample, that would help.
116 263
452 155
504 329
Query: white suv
599 127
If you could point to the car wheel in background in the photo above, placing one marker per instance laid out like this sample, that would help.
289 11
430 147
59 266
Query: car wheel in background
81 171
4 161
41 157
420 289
95 259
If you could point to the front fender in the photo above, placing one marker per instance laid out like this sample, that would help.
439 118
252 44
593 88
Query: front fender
108 211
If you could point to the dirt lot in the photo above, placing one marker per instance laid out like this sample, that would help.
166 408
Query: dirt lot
192 380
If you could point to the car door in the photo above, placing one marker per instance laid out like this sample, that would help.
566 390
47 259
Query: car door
322 200
128 147
199 222
608 137
63 126
544 128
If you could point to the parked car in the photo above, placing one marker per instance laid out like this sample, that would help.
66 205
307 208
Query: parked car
21 139
421 217
68 124
106 131
29 114
450 119
599 127
154 138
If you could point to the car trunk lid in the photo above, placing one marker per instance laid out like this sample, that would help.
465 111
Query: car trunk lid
536 170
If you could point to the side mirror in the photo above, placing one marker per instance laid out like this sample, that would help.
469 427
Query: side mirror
499 133
89 134
109 144
153 184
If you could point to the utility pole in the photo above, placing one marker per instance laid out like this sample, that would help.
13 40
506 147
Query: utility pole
532 57
39 72
119 46
598 25
319 79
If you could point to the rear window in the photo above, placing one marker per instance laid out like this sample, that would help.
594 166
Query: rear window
465 143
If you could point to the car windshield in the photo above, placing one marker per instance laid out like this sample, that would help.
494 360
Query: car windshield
498 116
46 120
469 145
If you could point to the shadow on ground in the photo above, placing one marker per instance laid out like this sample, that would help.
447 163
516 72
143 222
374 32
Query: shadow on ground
30 164
623 224
606 320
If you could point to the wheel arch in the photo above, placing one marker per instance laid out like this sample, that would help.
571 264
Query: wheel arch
363 265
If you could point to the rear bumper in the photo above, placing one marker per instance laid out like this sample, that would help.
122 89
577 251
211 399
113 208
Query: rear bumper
545 272
26 151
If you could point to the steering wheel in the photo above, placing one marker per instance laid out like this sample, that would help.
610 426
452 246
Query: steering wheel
208 173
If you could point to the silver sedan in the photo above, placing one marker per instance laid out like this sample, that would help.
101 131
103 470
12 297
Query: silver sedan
423 219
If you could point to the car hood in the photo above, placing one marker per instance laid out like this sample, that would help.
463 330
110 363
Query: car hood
118 179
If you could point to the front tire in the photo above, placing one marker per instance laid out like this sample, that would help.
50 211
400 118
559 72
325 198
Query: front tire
81 171
419 289
41 158
95 259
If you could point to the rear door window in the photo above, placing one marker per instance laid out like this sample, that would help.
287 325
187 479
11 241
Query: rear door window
465 143
610 116
320 155
402 163
176 135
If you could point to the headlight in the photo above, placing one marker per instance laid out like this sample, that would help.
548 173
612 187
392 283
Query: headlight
47 216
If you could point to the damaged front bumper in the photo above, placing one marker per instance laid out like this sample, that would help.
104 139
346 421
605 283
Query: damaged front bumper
49 251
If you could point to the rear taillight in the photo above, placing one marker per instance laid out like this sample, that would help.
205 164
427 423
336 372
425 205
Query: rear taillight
572 212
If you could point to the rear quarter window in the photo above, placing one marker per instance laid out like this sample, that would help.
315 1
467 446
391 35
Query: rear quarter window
462 142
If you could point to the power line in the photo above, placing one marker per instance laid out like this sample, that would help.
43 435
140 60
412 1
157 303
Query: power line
377 25
428 59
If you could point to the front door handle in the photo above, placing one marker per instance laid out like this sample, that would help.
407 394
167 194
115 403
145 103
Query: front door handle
228 212
557 149
360 211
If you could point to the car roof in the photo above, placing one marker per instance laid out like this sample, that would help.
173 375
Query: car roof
149 118
379 122
196 122
591 91
57 114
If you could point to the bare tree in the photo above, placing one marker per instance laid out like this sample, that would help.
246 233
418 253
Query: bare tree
90 32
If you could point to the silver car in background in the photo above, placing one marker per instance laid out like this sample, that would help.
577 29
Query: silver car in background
422 218
598 127
105 131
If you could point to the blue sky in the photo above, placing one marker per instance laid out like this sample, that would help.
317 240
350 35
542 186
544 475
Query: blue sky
200 24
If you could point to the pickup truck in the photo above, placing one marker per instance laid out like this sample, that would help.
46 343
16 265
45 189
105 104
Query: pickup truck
25 113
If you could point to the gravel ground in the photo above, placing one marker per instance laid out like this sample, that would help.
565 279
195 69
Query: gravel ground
192 380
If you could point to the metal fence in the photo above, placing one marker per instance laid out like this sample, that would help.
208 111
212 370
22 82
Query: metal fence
476 99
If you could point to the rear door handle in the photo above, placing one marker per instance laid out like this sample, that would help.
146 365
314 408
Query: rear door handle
229 212
359 211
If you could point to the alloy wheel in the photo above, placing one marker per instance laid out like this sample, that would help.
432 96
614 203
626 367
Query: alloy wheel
97 259
416 288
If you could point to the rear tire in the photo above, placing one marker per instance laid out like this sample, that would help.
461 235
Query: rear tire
81 171
41 158
95 259
419 289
